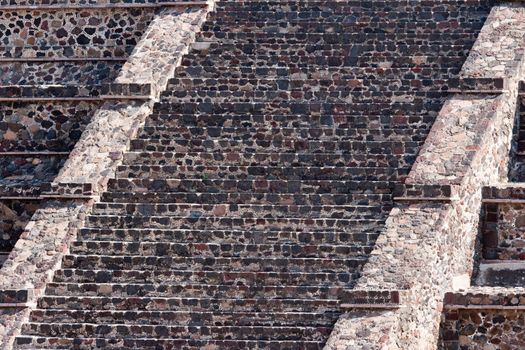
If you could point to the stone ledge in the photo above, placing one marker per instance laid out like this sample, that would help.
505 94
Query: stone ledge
486 298
422 193
478 85
19 190
503 194
24 198
33 154
114 91
68 190
15 298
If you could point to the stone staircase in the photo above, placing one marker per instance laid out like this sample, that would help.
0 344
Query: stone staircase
243 212
55 62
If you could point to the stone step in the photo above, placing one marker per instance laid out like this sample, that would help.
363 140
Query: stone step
357 197
354 49
254 172
502 229
465 38
397 121
501 273
247 198
382 92
334 25
161 275
231 236
373 158
311 21
219 223
293 73
238 210
283 140
166 290
298 108
187 304
260 186
312 73
267 264
206 318
36 342
176 332
452 6
272 90
374 131
223 249
307 12
195 59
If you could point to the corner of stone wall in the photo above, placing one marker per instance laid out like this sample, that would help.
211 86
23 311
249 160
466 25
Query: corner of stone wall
428 245
93 161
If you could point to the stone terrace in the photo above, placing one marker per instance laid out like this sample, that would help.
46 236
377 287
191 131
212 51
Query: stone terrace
246 207
58 64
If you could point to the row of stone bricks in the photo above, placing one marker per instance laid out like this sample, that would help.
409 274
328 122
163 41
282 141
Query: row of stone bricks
394 120
335 38
371 159
402 6
246 197
296 108
327 50
338 27
250 74
226 60
310 237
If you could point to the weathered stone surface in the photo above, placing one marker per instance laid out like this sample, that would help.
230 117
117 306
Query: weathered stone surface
428 248
218 187
93 160
153 62
72 28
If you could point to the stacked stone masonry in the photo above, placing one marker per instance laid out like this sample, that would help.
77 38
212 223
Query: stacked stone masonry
489 315
73 49
314 174
453 244
246 207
